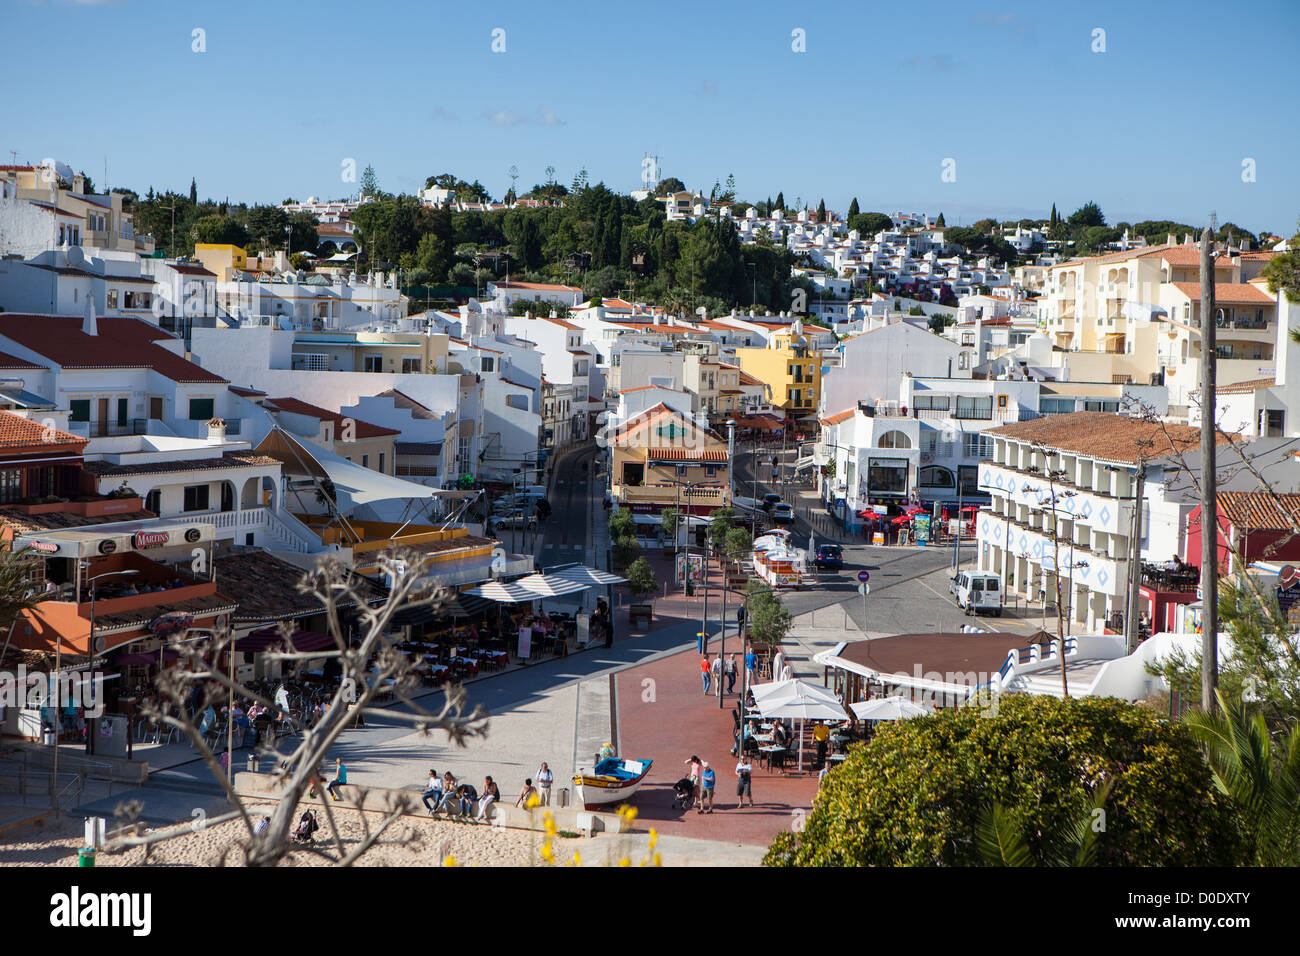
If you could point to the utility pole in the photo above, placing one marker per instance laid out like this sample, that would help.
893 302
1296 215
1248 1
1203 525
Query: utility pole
1131 635
1209 485
1056 573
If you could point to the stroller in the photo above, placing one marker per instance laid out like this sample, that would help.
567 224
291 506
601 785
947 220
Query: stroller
307 826
683 794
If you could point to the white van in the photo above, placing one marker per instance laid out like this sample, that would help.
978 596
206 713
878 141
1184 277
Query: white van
975 592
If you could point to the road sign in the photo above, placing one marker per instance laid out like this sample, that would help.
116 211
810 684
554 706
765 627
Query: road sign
864 576
864 588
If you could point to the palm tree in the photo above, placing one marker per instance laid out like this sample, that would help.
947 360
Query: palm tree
1261 776
1002 842
17 593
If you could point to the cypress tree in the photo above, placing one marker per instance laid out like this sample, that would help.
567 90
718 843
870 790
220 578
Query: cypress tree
853 209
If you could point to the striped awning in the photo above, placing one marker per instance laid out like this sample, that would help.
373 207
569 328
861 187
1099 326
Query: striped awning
588 576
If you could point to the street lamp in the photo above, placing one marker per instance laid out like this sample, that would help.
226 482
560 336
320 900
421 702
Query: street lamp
58 666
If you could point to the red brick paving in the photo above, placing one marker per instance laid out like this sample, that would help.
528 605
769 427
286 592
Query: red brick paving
677 721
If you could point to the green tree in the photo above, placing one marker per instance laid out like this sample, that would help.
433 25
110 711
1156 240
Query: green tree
670 185
914 795
1086 216
304 237
738 539
369 182
720 522
641 578
220 230
1002 842
939 223
853 209
1283 273
621 524
266 224
669 519
870 223
767 618
780 201
940 321
17 594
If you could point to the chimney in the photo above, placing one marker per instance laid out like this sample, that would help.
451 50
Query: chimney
79 184
216 431
89 325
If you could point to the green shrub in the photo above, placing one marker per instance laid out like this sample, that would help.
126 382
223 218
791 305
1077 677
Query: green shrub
915 794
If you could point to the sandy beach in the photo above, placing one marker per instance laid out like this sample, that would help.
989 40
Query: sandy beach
411 841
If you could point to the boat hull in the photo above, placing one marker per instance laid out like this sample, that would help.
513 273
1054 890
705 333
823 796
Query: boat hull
605 789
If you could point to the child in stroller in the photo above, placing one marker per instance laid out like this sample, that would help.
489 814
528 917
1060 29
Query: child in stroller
683 794
306 827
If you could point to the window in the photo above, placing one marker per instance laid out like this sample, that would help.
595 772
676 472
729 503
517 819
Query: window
110 297
79 409
1055 406
1101 406
934 476
122 411
887 476
410 366
974 406
1002 403
372 363
201 409
381 462
711 471
11 485
315 362
487 363
894 439
933 402
681 471
978 446
365 461
196 498
153 501
137 300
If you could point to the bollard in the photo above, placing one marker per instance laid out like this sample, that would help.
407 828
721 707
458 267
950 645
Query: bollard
86 857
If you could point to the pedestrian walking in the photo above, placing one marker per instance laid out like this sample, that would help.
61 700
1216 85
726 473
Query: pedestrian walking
544 779
704 673
744 785
708 780
751 665
715 670
732 670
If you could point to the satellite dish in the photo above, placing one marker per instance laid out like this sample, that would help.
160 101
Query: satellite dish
75 256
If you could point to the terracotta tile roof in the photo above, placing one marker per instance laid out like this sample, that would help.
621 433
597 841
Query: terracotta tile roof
105 469
1228 293
12 361
266 588
561 323
1106 436
1245 388
189 269
19 432
121 343
58 520
247 392
198 607
1259 510
839 417
296 406
1191 256
747 379
539 286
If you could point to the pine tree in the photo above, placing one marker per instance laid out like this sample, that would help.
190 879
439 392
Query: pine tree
821 210
939 223
853 209
780 201
1054 217
194 190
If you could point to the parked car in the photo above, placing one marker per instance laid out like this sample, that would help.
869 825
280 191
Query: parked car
977 592
769 500
515 520
829 557
782 513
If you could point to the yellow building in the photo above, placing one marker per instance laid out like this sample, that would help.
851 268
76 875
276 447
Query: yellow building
790 368
655 454
221 259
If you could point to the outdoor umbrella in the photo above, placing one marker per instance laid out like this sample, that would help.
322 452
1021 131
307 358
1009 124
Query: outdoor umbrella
587 576
503 592
786 689
901 519
803 704
551 586
914 509
888 708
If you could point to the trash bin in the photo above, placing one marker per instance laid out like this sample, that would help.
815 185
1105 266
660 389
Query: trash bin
562 798
50 738
86 856
252 763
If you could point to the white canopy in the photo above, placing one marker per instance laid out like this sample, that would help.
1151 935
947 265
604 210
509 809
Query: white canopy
503 592
587 576
888 708
786 689
551 586
353 484
802 707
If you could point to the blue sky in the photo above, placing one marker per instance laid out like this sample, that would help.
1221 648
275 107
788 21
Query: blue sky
884 93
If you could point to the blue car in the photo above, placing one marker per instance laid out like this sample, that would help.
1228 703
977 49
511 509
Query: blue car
829 557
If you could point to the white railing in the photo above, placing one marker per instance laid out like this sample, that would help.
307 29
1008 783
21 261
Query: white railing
292 533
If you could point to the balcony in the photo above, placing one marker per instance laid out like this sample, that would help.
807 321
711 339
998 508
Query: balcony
108 429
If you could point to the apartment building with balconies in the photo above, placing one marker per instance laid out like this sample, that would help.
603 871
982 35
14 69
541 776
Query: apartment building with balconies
1062 491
